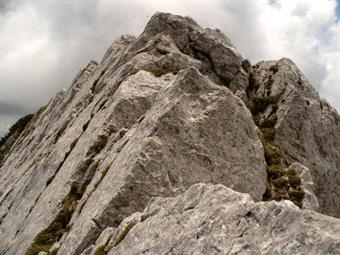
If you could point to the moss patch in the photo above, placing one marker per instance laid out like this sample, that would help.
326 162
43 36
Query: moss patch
280 183
36 248
100 250
294 180
272 152
275 171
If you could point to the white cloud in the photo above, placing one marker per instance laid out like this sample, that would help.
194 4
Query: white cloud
44 43
330 58
306 31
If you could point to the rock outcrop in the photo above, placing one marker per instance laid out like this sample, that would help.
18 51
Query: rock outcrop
172 108
212 219
305 127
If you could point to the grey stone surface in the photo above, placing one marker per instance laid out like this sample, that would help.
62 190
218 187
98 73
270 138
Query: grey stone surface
310 201
102 241
89 250
105 236
213 219
220 60
122 230
240 81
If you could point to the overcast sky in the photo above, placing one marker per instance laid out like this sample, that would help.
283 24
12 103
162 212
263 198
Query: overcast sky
44 43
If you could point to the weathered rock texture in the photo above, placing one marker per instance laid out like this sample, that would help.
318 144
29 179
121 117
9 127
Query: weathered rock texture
213 219
157 115
310 201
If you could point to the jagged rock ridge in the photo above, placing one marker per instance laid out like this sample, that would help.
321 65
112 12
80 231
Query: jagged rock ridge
160 113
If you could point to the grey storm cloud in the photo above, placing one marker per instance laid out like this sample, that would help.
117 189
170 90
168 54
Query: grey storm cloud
4 5
45 43
10 109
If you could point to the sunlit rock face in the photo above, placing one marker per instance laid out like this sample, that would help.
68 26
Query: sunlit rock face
109 165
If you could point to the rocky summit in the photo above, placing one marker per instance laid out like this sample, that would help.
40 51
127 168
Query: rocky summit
174 144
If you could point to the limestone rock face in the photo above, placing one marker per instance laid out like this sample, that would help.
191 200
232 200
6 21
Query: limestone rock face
159 113
213 219
150 120
170 148
307 127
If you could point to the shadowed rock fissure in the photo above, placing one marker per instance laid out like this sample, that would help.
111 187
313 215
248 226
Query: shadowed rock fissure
94 85
72 145
204 57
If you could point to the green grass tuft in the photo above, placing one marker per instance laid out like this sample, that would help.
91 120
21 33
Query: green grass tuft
100 250
294 180
275 171
36 248
280 182
296 195
273 153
